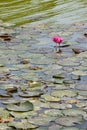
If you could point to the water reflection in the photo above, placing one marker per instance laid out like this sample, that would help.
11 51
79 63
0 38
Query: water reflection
60 11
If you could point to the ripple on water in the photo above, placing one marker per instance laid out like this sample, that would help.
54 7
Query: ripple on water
21 12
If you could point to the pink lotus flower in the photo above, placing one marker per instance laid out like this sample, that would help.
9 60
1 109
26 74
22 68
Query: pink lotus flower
57 39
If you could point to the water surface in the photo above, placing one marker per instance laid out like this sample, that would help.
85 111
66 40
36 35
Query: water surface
43 11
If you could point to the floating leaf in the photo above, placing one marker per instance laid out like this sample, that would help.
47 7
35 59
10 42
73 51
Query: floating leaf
73 112
61 93
60 75
58 81
60 106
4 93
33 84
81 104
41 120
70 128
79 72
22 107
69 62
23 125
27 94
50 98
4 116
54 113
69 121
22 115
82 93
55 127
4 126
11 101
68 81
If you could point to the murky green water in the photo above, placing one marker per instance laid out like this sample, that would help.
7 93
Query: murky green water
43 11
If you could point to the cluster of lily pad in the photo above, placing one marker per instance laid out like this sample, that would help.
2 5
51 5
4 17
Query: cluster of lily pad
40 89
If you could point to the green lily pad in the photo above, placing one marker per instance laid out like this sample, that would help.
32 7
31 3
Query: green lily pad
41 120
68 81
70 128
30 75
62 93
55 127
4 70
52 69
41 129
42 60
69 121
22 115
79 72
27 94
3 126
34 84
60 106
59 87
82 93
22 107
23 125
81 104
4 93
50 98
82 55
57 81
73 112
70 62
11 101
60 75
54 113
4 113
5 116
2 65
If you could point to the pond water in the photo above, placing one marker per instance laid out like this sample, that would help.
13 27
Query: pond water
44 11
43 87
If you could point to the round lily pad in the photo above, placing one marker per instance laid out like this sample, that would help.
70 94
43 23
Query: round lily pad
69 121
55 127
54 113
69 62
22 107
79 72
60 106
22 115
50 98
62 93
23 125
41 120
27 94
70 128
73 112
